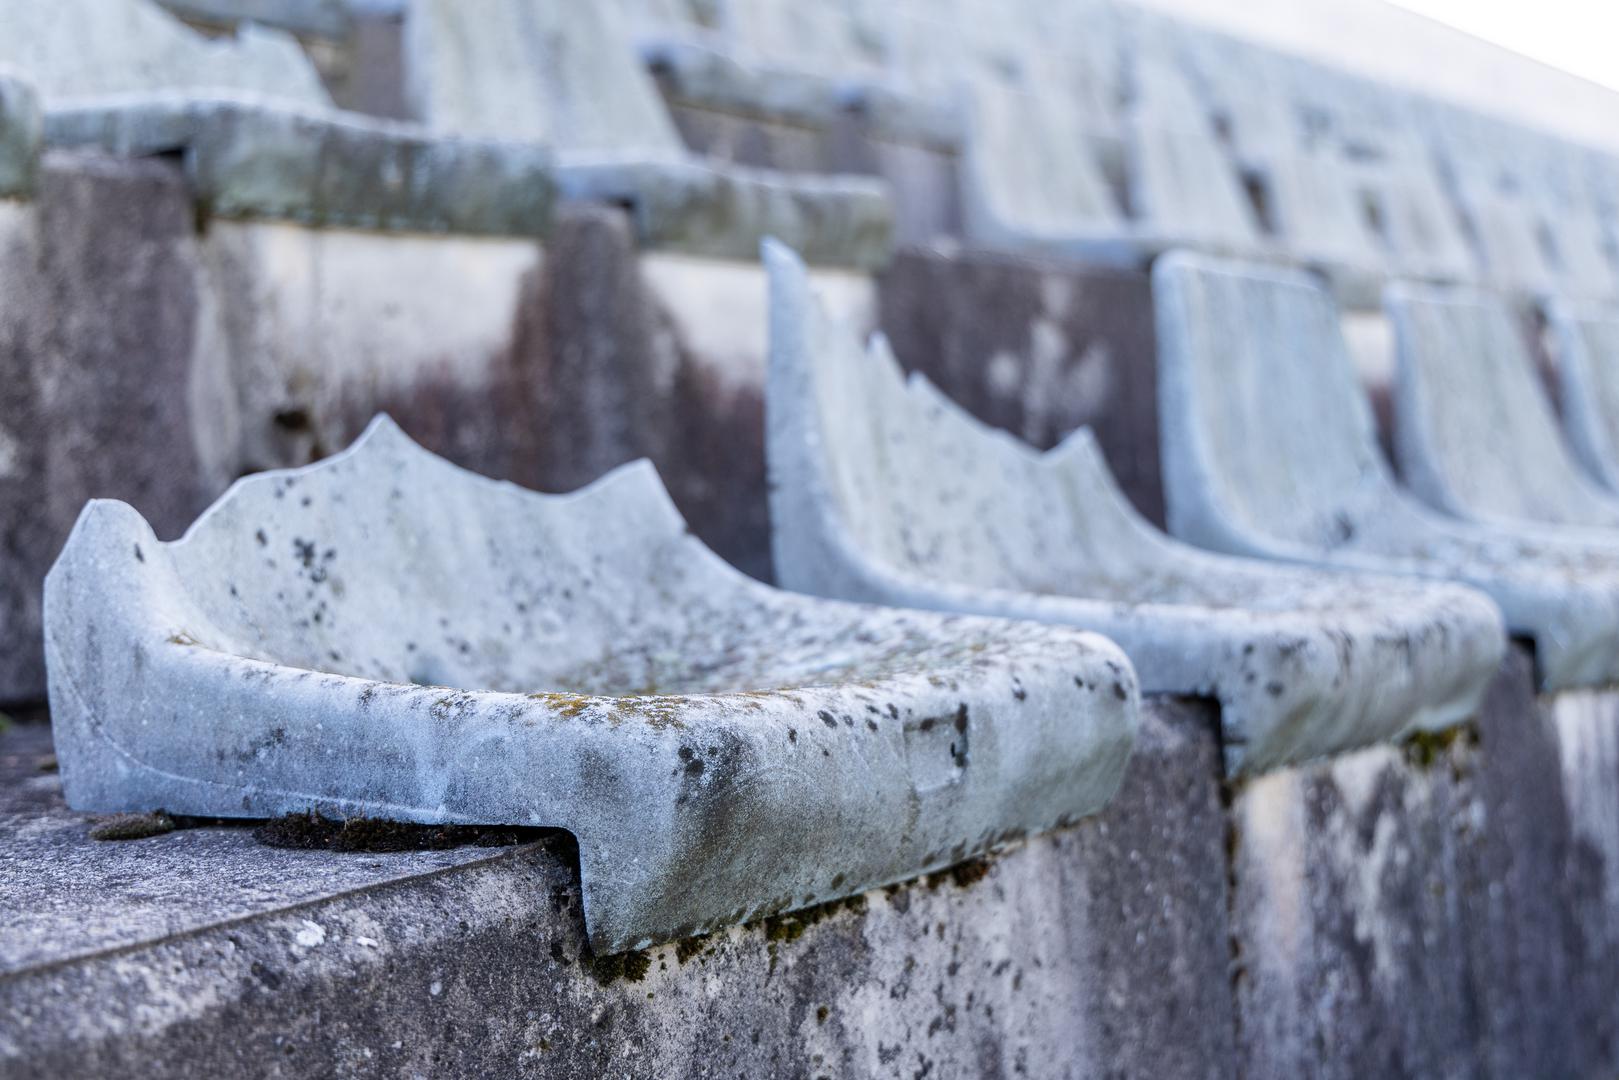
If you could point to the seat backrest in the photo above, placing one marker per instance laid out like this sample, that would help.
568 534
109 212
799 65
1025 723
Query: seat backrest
1266 434
1586 343
1028 171
1474 429
558 73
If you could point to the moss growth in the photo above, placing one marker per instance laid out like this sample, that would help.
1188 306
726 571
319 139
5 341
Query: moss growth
629 966
1423 749
312 832
789 926
687 948
963 874
132 826
566 706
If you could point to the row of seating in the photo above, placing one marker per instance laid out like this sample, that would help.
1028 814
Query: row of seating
1099 131
688 720
1114 132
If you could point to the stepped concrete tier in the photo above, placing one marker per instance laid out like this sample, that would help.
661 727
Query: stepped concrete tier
1269 450
252 158
882 489
1585 340
384 634
21 130
200 952
563 74
89 48
1474 430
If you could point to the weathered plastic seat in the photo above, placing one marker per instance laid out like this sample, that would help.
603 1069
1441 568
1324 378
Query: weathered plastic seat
1184 186
78 49
1030 182
566 75
1423 232
1586 340
1269 449
884 490
1474 430
385 634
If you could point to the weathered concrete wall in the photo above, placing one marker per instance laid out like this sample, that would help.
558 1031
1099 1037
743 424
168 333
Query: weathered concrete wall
847 142
1437 911
99 298
1037 347
1097 950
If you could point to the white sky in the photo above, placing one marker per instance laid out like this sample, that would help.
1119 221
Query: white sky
1578 36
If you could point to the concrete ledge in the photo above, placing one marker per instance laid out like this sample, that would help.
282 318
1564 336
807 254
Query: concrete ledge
1099 948
247 158
20 134
707 74
1441 911
698 209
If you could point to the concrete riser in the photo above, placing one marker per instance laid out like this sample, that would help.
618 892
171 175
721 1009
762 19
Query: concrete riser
1437 910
